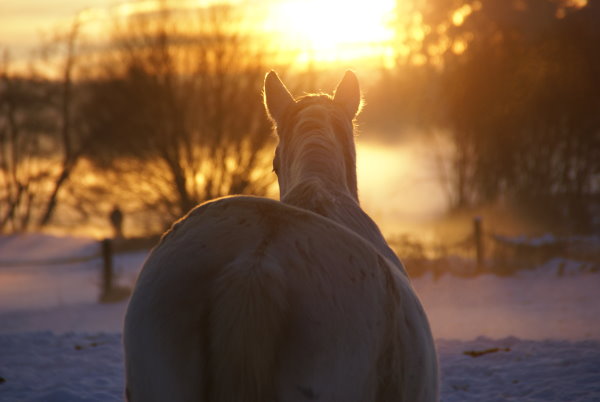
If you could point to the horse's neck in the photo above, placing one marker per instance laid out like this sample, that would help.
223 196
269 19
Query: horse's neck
341 207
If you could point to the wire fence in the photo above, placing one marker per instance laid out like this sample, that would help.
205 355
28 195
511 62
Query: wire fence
50 261
117 245
104 254
478 252
483 251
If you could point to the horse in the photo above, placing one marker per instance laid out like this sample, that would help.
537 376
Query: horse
252 299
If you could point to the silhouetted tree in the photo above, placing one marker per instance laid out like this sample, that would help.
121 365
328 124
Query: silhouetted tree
71 137
41 138
182 95
27 127
519 90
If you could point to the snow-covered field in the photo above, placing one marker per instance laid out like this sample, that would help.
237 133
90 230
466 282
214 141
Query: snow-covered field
531 337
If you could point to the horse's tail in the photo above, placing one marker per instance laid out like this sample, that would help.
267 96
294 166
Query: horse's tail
246 329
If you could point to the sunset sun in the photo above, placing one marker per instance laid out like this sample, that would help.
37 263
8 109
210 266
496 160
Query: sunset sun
333 30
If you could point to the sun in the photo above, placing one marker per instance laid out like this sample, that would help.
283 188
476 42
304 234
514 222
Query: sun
333 30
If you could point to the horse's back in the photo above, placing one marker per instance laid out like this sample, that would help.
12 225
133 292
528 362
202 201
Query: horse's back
313 304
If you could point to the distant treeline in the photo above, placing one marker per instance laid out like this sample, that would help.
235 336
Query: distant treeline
170 114
515 88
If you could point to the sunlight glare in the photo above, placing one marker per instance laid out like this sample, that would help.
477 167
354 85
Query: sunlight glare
398 184
333 30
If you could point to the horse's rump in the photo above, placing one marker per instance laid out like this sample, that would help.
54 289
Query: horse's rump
284 302
250 299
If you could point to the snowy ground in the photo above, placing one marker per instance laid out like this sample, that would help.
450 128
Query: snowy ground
532 337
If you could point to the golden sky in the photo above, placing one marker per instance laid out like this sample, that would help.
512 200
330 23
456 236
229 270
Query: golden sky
24 22
325 30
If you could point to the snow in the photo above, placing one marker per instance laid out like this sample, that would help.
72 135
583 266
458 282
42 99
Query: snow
16 249
522 370
549 302
68 367
545 239
535 335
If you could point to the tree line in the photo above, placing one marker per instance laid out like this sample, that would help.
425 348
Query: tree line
514 87
170 113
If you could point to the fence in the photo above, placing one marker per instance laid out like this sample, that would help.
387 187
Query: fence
485 251
107 248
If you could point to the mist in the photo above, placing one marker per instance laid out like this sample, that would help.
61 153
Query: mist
399 184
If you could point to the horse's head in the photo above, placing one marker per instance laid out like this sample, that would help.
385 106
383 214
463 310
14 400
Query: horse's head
315 132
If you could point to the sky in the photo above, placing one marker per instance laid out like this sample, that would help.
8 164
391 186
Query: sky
325 29
24 22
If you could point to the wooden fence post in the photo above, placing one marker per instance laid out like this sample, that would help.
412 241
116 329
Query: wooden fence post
478 239
107 268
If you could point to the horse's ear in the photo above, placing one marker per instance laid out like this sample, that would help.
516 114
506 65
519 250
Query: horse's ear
276 97
347 94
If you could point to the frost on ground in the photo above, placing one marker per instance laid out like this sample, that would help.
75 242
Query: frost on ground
518 370
77 367
61 368
542 330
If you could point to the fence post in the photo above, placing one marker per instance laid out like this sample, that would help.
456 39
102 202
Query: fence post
478 238
107 268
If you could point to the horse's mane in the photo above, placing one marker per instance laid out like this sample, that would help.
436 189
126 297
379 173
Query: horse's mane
319 113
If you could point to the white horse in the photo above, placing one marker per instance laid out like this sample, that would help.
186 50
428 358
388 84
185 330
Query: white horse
250 299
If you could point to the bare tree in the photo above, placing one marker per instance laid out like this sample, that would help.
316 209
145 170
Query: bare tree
71 137
26 126
517 85
182 96
41 136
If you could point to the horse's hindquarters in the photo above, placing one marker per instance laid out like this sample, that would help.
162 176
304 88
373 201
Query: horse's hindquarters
335 328
192 322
